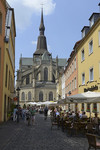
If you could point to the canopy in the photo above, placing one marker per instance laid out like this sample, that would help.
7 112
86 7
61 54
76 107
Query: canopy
32 103
49 103
87 97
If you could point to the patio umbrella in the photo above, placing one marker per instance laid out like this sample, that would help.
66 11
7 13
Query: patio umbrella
87 97
32 103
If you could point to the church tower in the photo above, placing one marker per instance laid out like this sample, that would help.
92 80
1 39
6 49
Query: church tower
41 43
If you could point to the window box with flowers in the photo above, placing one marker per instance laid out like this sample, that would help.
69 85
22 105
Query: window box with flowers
88 110
95 110
82 109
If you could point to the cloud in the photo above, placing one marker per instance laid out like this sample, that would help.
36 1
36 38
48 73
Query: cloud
34 42
24 9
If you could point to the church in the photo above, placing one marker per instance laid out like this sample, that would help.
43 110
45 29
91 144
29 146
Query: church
37 76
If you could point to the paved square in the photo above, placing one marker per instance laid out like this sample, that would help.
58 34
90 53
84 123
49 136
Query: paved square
19 136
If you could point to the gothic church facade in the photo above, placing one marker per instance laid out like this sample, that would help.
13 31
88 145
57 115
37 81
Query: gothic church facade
37 76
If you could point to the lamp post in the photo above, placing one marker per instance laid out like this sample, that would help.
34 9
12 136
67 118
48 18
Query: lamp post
69 104
18 89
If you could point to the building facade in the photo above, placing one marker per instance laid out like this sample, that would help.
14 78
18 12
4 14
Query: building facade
89 60
37 76
71 73
9 63
2 35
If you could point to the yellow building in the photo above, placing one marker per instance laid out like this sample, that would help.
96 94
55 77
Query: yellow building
9 63
89 60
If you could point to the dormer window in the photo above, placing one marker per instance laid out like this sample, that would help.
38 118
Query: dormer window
85 31
83 34
91 21
93 18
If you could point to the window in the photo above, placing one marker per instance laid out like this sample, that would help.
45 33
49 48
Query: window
91 74
41 96
53 78
37 76
27 79
72 67
94 107
82 109
88 108
50 96
70 70
9 81
83 78
23 96
45 74
6 78
29 96
0 22
75 63
82 55
75 82
99 38
91 22
70 86
90 47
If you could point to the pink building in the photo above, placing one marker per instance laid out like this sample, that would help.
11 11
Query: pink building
71 73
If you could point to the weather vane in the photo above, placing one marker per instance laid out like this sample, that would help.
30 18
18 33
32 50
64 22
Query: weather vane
42 4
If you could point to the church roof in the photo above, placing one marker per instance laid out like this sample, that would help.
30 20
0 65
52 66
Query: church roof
61 61
27 61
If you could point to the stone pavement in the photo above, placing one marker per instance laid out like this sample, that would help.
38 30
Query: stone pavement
19 136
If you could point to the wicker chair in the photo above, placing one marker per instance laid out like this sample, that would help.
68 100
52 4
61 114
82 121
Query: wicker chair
93 141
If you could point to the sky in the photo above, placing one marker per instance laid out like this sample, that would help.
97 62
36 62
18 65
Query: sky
63 20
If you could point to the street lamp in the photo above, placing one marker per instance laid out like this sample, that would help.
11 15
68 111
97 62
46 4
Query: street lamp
69 104
18 89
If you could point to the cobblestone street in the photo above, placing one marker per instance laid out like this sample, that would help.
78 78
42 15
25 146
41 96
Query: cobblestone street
19 136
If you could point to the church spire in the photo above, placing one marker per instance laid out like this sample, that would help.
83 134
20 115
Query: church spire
41 42
42 27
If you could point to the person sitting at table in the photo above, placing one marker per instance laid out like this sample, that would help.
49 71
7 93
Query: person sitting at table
76 118
96 122
84 115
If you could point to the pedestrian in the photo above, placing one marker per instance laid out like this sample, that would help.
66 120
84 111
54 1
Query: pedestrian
28 116
33 115
45 113
15 114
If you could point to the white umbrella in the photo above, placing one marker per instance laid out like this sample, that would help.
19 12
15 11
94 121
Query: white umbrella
87 97
32 103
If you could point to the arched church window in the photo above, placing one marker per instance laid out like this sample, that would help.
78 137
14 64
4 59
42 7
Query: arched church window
29 95
45 74
53 78
27 79
37 76
23 96
41 96
50 96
